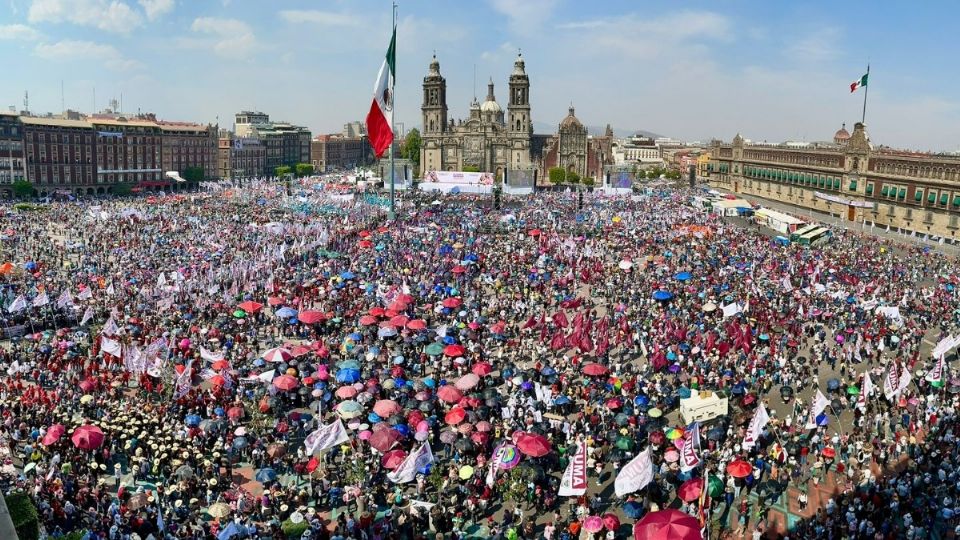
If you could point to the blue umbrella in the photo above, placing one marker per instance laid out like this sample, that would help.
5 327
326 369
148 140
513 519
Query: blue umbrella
823 419
218 411
355 336
348 375
429 382
833 384
347 275
374 418
31 266
266 475
662 295
286 312
561 400
764 337
449 340
683 276
641 401
192 420
240 442
548 371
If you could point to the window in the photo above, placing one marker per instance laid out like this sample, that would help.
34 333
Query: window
943 198
918 195
931 197
869 189
902 194
885 191
853 185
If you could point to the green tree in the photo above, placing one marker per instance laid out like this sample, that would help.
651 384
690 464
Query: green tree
411 147
122 190
24 516
22 189
556 175
303 169
282 170
193 174
573 177
471 168
589 181
673 174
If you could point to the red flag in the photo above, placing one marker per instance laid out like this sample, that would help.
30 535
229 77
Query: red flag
560 319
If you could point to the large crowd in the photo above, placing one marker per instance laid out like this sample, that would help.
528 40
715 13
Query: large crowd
240 363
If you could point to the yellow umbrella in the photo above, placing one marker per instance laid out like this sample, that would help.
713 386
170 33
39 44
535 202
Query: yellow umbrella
86 399
219 510
466 472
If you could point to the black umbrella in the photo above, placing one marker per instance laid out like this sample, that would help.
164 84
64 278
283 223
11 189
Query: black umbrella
464 445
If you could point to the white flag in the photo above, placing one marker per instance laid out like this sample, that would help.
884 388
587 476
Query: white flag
904 381
635 475
730 310
892 381
65 300
41 300
865 392
110 346
110 328
787 286
110 290
183 383
573 483
760 419
326 437
87 315
161 280
85 294
819 404
19 304
413 463
688 452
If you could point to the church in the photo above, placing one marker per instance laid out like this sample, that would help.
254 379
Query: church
488 140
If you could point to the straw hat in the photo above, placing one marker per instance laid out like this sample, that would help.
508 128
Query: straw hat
103 466
212 482
178 503
284 507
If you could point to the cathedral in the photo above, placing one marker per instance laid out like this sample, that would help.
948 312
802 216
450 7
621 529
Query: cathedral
488 140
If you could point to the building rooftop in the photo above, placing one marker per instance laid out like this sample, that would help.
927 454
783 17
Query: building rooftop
58 122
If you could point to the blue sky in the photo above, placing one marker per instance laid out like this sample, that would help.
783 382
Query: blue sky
694 70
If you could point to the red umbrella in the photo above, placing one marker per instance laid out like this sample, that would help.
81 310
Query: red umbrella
739 468
454 350
449 393
54 433
534 232
376 311
218 380
366 244
286 382
275 301
346 392
691 490
313 464
454 416
383 439
87 437
392 459
250 306
611 522
667 525
594 369
277 355
458 269
417 324
452 303
657 437
368 320
614 403
399 321
235 412
829 452
86 385
298 350
220 364
532 444
482 368
311 317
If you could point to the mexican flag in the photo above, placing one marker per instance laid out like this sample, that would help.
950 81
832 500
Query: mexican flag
862 81
379 129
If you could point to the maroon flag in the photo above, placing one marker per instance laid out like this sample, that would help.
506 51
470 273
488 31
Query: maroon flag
560 319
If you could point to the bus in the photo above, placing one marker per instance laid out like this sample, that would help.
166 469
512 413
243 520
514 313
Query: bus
815 237
795 235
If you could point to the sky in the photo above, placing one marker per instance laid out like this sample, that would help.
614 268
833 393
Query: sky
772 71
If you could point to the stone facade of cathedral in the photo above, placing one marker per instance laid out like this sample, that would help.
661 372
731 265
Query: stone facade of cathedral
489 139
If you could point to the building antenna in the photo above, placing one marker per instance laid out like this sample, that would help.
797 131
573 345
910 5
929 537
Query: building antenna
63 107
26 100
474 82
94 111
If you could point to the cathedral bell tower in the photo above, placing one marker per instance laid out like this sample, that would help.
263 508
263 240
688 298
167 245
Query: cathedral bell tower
519 121
434 106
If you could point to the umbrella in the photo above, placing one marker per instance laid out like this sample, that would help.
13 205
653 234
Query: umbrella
594 369
219 510
137 501
465 472
690 490
277 355
286 382
286 313
454 350
184 472
349 409
482 369
532 444
654 413
833 384
449 394
54 433
829 452
667 525
386 407
310 317
467 382
714 486
672 456
250 306
266 475
454 416
593 524
392 459
662 295
611 522
383 439
87 437
507 456
633 509
452 303
683 276
739 468
348 375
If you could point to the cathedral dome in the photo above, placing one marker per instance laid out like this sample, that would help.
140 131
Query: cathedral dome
570 121
842 135
491 107
518 66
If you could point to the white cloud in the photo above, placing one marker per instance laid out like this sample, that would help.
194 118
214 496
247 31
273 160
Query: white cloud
524 15
156 8
107 15
322 18
232 38
85 50
505 50
820 45
18 32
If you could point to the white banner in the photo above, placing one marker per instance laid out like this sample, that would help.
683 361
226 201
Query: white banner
730 310
865 392
891 382
19 304
459 177
760 419
110 346
841 200
416 461
635 475
688 452
210 355
573 483
326 437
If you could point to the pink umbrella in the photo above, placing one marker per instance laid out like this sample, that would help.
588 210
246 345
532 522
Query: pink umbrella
383 439
346 392
365 435
449 394
286 382
386 407
467 382
611 521
417 324
277 355
87 437
483 426
54 433
368 320
672 456
392 459
593 524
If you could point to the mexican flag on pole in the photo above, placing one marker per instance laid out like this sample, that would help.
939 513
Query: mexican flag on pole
862 81
379 124
937 374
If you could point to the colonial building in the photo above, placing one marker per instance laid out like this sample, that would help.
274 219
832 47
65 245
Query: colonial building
573 150
185 145
340 151
848 178
285 144
489 139
60 155
241 157
12 163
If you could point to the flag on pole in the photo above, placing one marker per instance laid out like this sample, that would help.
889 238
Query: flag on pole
635 475
759 421
325 437
65 300
413 463
892 381
379 130
862 81
85 294
688 452
819 404
865 392
19 304
935 374
41 300
183 384
574 480
87 315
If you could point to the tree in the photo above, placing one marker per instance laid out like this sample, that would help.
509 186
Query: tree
556 175
573 177
411 147
588 181
471 168
22 189
193 174
303 169
122 190
282 170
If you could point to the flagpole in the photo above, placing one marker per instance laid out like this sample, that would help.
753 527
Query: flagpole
866 88
393 106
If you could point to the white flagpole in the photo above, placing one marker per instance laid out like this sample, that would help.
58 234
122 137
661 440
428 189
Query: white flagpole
393 106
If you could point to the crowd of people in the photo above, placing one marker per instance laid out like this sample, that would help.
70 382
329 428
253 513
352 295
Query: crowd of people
240 363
